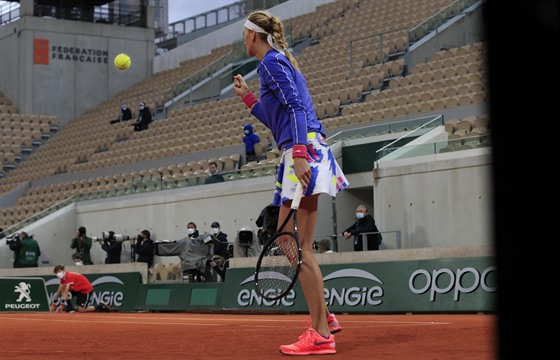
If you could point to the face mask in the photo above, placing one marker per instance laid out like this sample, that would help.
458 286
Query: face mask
60 274
215 231
190 231
213 171
246 132
359 215
78 263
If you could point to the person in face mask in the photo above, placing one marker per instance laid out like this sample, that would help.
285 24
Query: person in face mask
214 177
364 224
125 114
81 289
144 117
192 232
77 259
250 139
220 241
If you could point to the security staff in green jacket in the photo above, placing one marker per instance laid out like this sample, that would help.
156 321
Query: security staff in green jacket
26 250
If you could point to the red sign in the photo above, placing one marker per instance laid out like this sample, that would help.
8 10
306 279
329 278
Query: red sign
41 51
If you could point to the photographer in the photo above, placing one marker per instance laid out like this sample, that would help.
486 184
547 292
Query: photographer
112 246
144 246
82 244
26 250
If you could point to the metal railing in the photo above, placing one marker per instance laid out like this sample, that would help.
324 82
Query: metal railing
400 142
9 11
215 17
391 239
431 24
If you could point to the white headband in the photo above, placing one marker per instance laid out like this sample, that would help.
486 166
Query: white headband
252 26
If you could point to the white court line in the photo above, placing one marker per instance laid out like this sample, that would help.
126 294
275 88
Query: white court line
129 318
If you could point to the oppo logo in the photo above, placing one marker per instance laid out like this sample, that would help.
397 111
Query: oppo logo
442 281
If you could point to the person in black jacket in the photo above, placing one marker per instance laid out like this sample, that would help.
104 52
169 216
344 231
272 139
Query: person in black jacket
214 176
267 223
364 224
113 249
125 114
144 248
144 117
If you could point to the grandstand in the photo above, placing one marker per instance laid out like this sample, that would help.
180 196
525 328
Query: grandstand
409 74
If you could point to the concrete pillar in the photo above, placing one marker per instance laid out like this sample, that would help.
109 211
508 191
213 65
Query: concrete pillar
26 7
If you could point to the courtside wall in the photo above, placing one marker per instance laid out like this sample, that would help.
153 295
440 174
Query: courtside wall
459 280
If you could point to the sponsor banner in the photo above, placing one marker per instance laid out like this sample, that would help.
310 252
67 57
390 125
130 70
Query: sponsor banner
23 294
118 290
446 285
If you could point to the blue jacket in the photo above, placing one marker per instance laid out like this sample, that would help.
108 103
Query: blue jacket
250 139
285 105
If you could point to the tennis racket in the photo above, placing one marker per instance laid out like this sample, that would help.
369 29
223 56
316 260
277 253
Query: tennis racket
279 263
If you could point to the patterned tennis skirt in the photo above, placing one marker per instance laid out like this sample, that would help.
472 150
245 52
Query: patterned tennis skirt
326 175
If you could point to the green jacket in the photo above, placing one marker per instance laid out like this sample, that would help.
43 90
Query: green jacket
83 248
26 253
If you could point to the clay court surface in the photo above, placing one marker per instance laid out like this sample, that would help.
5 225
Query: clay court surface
162 336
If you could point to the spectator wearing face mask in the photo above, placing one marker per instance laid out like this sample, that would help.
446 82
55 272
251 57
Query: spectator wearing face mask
124 115
144 117
214 177
220 241
77 259
192 231
364 224
250 139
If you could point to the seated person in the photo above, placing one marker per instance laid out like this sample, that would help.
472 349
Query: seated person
214 177
125 114
144 117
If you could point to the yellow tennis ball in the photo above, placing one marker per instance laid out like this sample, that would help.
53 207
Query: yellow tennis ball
122 62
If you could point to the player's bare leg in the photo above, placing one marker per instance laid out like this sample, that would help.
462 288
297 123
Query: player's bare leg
310 276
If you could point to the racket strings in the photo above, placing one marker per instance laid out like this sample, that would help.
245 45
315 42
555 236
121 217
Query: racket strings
279 266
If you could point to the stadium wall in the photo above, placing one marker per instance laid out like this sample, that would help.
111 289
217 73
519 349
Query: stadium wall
433 201
459 280
74 60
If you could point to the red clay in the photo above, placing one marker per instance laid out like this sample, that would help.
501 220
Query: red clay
161 336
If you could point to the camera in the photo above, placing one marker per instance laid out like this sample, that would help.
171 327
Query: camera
246 237
12 238
111 236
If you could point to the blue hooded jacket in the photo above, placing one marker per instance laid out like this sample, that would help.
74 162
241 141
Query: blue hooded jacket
250 139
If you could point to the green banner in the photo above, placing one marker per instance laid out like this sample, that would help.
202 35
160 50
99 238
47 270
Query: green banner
23 294
118 290
440 285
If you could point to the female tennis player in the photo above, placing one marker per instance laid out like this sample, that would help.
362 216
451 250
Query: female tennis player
285 107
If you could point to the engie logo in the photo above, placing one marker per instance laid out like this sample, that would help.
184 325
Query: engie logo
24 299
111 298
365 290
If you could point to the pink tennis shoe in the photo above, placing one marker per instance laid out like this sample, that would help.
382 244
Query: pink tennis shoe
310 343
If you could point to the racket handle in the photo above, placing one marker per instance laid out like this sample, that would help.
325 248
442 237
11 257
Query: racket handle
297 196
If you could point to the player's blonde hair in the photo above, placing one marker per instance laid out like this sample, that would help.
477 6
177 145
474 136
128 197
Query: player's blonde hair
273 26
